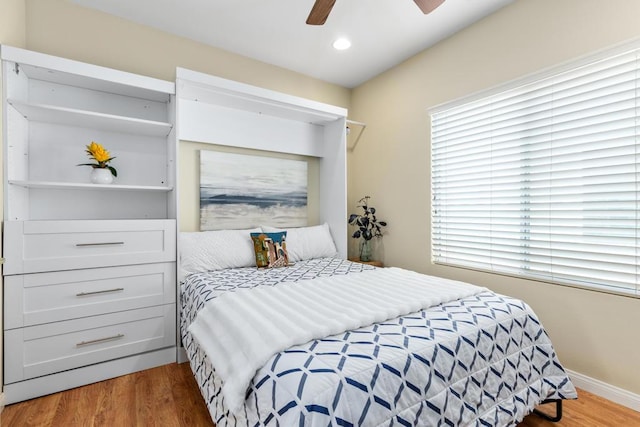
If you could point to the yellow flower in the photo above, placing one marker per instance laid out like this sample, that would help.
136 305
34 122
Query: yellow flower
101 156
98 152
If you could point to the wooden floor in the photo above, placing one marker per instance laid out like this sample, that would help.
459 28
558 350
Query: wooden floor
168 396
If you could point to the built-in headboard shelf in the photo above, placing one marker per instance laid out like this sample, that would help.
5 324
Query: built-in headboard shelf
240 96
224 112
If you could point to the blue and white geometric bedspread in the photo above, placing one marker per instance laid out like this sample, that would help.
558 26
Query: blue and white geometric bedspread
483 360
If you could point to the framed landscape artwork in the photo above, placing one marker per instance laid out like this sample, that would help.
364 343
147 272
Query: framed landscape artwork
242 191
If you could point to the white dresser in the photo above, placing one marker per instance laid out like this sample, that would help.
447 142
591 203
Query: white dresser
90 270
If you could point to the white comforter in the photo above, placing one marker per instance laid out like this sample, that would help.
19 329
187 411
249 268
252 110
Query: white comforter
241 331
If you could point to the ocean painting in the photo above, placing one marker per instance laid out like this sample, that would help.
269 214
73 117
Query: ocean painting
242 191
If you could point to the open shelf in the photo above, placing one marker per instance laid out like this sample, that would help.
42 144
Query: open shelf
87 186
90 119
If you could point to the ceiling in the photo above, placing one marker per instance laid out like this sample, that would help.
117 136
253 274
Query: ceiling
383 33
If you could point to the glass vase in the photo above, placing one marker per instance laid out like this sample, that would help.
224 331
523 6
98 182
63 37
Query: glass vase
365 250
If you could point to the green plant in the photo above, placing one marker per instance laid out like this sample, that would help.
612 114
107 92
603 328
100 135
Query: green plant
367 223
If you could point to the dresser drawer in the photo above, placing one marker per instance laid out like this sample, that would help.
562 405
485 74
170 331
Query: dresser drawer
39 246
44 349
62 295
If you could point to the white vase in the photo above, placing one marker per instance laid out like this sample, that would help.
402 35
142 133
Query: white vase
101 176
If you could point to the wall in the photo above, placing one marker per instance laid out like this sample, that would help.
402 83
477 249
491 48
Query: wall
12 32
595 334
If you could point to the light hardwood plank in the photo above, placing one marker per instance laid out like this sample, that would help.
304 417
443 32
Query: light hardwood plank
588 410
168 396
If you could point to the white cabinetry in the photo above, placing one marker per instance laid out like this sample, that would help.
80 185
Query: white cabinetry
219 111
90 271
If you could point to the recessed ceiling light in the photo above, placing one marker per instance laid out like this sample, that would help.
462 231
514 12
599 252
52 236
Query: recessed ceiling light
341 44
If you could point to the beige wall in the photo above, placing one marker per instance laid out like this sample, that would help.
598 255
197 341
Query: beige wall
12 32
594 333
12 23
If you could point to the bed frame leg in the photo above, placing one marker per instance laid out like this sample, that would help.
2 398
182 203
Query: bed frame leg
558 415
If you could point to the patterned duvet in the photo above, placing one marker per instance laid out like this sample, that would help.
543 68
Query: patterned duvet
483 360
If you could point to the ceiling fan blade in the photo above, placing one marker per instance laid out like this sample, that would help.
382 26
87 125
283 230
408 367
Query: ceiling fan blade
320 12
428 6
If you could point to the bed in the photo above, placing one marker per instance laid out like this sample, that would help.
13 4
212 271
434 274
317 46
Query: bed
484 359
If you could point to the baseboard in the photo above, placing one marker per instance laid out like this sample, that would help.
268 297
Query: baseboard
1 402
608 391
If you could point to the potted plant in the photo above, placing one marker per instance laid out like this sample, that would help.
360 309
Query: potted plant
101 173
368 227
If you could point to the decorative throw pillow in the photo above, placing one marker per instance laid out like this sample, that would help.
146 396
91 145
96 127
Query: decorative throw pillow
270 249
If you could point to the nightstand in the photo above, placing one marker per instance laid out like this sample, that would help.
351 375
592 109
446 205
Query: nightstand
374 263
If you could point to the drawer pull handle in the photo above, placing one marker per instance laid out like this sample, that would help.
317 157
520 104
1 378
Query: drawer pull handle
99 244
84 294
99 340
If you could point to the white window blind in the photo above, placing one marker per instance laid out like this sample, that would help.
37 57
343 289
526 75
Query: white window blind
542 180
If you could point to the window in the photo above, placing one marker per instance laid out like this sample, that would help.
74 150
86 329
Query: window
540 178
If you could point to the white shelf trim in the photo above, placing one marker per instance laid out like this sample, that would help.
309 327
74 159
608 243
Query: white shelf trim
87 186
66 71
90 119
200 87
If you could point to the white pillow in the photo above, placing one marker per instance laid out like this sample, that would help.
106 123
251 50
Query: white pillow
307 242
216 250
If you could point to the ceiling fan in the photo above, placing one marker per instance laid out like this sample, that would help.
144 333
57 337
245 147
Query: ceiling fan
322 8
